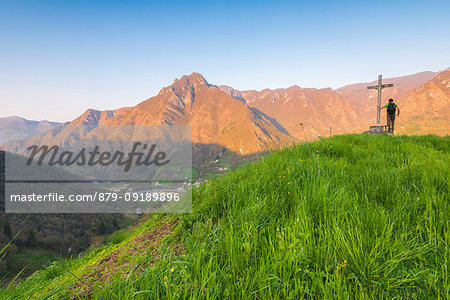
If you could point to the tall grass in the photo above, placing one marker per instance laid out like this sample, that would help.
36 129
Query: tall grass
366 217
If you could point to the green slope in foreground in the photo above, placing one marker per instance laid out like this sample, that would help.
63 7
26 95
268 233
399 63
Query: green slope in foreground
364 217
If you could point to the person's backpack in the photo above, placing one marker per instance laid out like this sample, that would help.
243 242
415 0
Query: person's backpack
391 108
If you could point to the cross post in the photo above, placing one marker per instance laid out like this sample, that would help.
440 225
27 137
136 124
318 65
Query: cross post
379 87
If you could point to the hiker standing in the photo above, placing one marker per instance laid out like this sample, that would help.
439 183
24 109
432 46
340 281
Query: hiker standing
391 107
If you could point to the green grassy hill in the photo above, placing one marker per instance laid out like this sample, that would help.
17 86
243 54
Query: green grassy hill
356 216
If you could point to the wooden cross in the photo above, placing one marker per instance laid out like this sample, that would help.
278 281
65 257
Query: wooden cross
379 87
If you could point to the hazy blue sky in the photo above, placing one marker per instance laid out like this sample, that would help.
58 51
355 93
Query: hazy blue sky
58 58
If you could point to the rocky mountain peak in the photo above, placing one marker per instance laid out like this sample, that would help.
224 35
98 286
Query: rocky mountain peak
188 81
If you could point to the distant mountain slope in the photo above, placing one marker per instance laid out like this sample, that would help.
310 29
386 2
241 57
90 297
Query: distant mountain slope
97 117
316 109
13 128
404 82
426 109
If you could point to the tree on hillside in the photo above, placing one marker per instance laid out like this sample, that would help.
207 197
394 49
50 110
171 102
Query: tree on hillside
31 238
7 229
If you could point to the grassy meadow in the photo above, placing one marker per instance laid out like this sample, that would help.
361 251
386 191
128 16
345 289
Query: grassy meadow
353 216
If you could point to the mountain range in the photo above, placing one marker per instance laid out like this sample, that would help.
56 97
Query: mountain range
12 128
252 121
